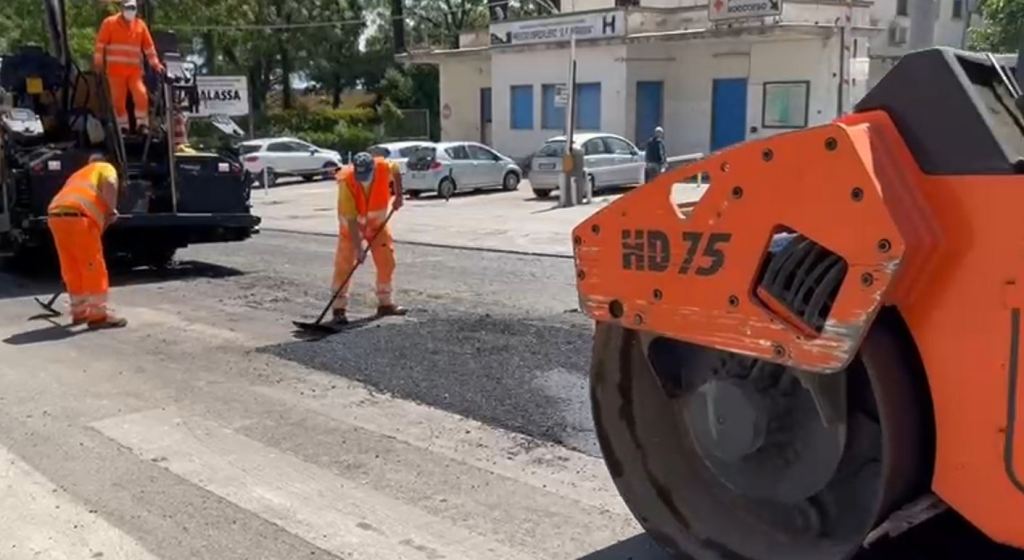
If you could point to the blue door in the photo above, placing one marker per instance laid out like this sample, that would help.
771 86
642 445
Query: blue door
650 100
728 112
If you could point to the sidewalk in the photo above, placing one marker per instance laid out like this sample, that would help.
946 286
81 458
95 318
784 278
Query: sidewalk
492 220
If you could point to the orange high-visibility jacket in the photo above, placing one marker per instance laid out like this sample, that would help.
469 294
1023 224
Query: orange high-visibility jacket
120 45
375 202
81 193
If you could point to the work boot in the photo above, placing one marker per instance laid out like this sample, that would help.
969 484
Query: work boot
339 317
80 320
390 309
108 322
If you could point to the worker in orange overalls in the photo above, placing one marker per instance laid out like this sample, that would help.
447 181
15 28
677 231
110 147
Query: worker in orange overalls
364 198
120 44
77 217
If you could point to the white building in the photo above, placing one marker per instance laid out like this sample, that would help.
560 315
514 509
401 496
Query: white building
708 79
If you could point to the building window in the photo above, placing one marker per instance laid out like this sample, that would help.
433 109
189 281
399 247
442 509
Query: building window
958 9
588 106
901 8
522 107
552 117
785 104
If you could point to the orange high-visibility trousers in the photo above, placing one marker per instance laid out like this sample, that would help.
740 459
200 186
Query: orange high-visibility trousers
383 252
120 86
80 249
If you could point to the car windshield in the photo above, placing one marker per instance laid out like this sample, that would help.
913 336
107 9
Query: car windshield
248 148
554 148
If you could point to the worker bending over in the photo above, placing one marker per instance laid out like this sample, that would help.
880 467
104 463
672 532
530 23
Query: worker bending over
364 197
77 217
122 41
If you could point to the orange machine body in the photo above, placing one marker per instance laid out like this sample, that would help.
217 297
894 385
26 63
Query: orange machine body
946 251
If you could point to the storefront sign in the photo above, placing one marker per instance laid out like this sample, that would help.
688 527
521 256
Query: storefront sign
737 9
222 95
601 25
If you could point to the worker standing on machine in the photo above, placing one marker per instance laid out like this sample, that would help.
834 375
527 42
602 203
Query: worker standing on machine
77 218
122 41
364 197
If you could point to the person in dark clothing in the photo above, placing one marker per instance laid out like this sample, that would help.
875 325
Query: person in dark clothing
655 155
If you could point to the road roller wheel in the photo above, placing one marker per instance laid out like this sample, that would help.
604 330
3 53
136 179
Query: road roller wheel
725 457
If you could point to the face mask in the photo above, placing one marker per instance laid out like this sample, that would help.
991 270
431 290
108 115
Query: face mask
128 14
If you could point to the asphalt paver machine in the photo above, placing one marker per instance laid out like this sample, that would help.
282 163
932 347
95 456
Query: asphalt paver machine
54 115
827 347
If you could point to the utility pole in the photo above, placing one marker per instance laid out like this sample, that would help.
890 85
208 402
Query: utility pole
567 192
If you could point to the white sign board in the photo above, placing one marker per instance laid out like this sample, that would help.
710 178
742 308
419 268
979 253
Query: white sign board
222 95
597 25
561 95
719 10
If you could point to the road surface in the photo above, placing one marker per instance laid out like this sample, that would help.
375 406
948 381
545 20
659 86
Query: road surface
206 430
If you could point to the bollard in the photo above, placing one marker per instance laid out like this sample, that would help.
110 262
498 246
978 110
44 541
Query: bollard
266 182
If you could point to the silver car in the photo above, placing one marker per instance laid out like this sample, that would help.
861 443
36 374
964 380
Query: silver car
447 167
609 161
397 152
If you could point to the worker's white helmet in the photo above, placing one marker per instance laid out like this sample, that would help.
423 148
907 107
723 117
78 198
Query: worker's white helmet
129 9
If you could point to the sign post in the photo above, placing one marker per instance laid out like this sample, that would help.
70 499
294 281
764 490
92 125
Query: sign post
567 192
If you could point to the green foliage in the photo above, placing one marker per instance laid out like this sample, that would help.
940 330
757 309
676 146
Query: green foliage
303 119
1003 27
343 138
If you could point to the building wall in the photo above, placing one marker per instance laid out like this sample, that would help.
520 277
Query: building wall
689 68
461 78
601 63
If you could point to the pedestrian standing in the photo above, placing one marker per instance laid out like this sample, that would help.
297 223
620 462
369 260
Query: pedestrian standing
77 218
367 188
655 155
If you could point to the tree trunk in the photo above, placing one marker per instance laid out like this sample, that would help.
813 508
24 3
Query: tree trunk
210 48
336 95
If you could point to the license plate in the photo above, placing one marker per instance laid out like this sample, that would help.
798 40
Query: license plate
416 175
546 166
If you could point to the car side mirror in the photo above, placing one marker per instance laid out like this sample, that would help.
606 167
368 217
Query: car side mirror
313 151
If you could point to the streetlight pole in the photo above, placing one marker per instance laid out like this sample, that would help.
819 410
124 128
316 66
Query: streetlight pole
567 192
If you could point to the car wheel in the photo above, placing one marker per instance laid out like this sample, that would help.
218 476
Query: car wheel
269 176
330 170
510 182
542 193
446 188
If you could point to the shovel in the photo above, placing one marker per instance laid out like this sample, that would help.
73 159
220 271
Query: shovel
48 306
318 326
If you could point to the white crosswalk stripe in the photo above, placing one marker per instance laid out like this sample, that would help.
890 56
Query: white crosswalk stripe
38 520
338 515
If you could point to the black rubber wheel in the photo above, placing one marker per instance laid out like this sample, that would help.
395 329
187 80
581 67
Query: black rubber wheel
160 258
510 181
446 188
330 170
271 178
640 383
542 193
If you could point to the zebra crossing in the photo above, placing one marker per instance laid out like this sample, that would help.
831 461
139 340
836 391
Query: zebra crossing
390 479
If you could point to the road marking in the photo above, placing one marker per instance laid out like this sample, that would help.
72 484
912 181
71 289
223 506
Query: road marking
335 514
38 520
539 464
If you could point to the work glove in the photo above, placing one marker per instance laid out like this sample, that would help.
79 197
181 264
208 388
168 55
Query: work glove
398 203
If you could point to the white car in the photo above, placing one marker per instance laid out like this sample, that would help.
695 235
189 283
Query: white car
397 152
288 157
447 167
623 160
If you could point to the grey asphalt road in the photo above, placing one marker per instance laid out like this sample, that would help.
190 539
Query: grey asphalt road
206 430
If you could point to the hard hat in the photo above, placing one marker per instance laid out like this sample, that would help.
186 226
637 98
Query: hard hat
659 130
363 165
129 4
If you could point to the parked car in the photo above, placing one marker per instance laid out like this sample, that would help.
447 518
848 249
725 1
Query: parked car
283 157
397 152
447 167
600 150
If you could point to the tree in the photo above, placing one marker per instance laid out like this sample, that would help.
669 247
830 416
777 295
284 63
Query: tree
441 21
1003 27
339 64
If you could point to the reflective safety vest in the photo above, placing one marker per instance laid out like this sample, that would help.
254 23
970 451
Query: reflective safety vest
120 45
375 203
81 194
